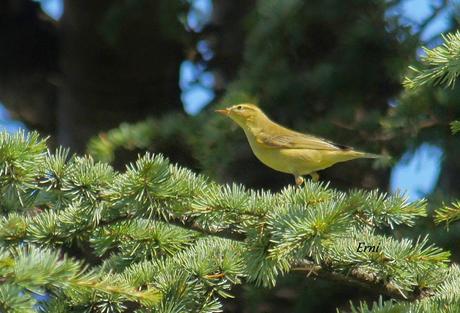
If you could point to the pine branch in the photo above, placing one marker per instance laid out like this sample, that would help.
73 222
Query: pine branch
445 298
10 302
139 239
203 271
455 127
414 266
448 214
141 135
29 269
128 136
229 233
441 65
359 278
130 222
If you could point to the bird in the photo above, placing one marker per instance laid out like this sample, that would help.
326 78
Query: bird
286 150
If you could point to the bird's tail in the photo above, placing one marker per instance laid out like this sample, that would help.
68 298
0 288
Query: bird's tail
382 157
372 156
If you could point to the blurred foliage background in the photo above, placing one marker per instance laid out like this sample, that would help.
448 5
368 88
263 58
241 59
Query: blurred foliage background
329 67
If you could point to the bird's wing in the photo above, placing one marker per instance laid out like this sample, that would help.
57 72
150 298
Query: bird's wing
295 140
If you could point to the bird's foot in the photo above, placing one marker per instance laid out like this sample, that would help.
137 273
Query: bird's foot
299 180
314 176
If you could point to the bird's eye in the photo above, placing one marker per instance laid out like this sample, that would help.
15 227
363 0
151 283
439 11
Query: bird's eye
239 107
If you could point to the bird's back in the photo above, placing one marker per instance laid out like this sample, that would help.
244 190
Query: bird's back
275 135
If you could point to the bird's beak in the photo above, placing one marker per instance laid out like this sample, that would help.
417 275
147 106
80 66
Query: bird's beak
223 111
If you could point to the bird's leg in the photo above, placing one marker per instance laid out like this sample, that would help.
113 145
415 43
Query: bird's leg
314 176
298 180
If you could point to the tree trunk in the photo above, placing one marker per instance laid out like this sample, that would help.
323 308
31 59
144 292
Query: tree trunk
28 63
118 63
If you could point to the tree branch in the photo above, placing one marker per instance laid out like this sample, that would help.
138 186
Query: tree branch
228 233
356 277
187 223
362 279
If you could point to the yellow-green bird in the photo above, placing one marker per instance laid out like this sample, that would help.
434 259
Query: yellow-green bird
286 150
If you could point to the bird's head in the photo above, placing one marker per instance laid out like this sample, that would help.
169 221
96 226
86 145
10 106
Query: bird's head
243 114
